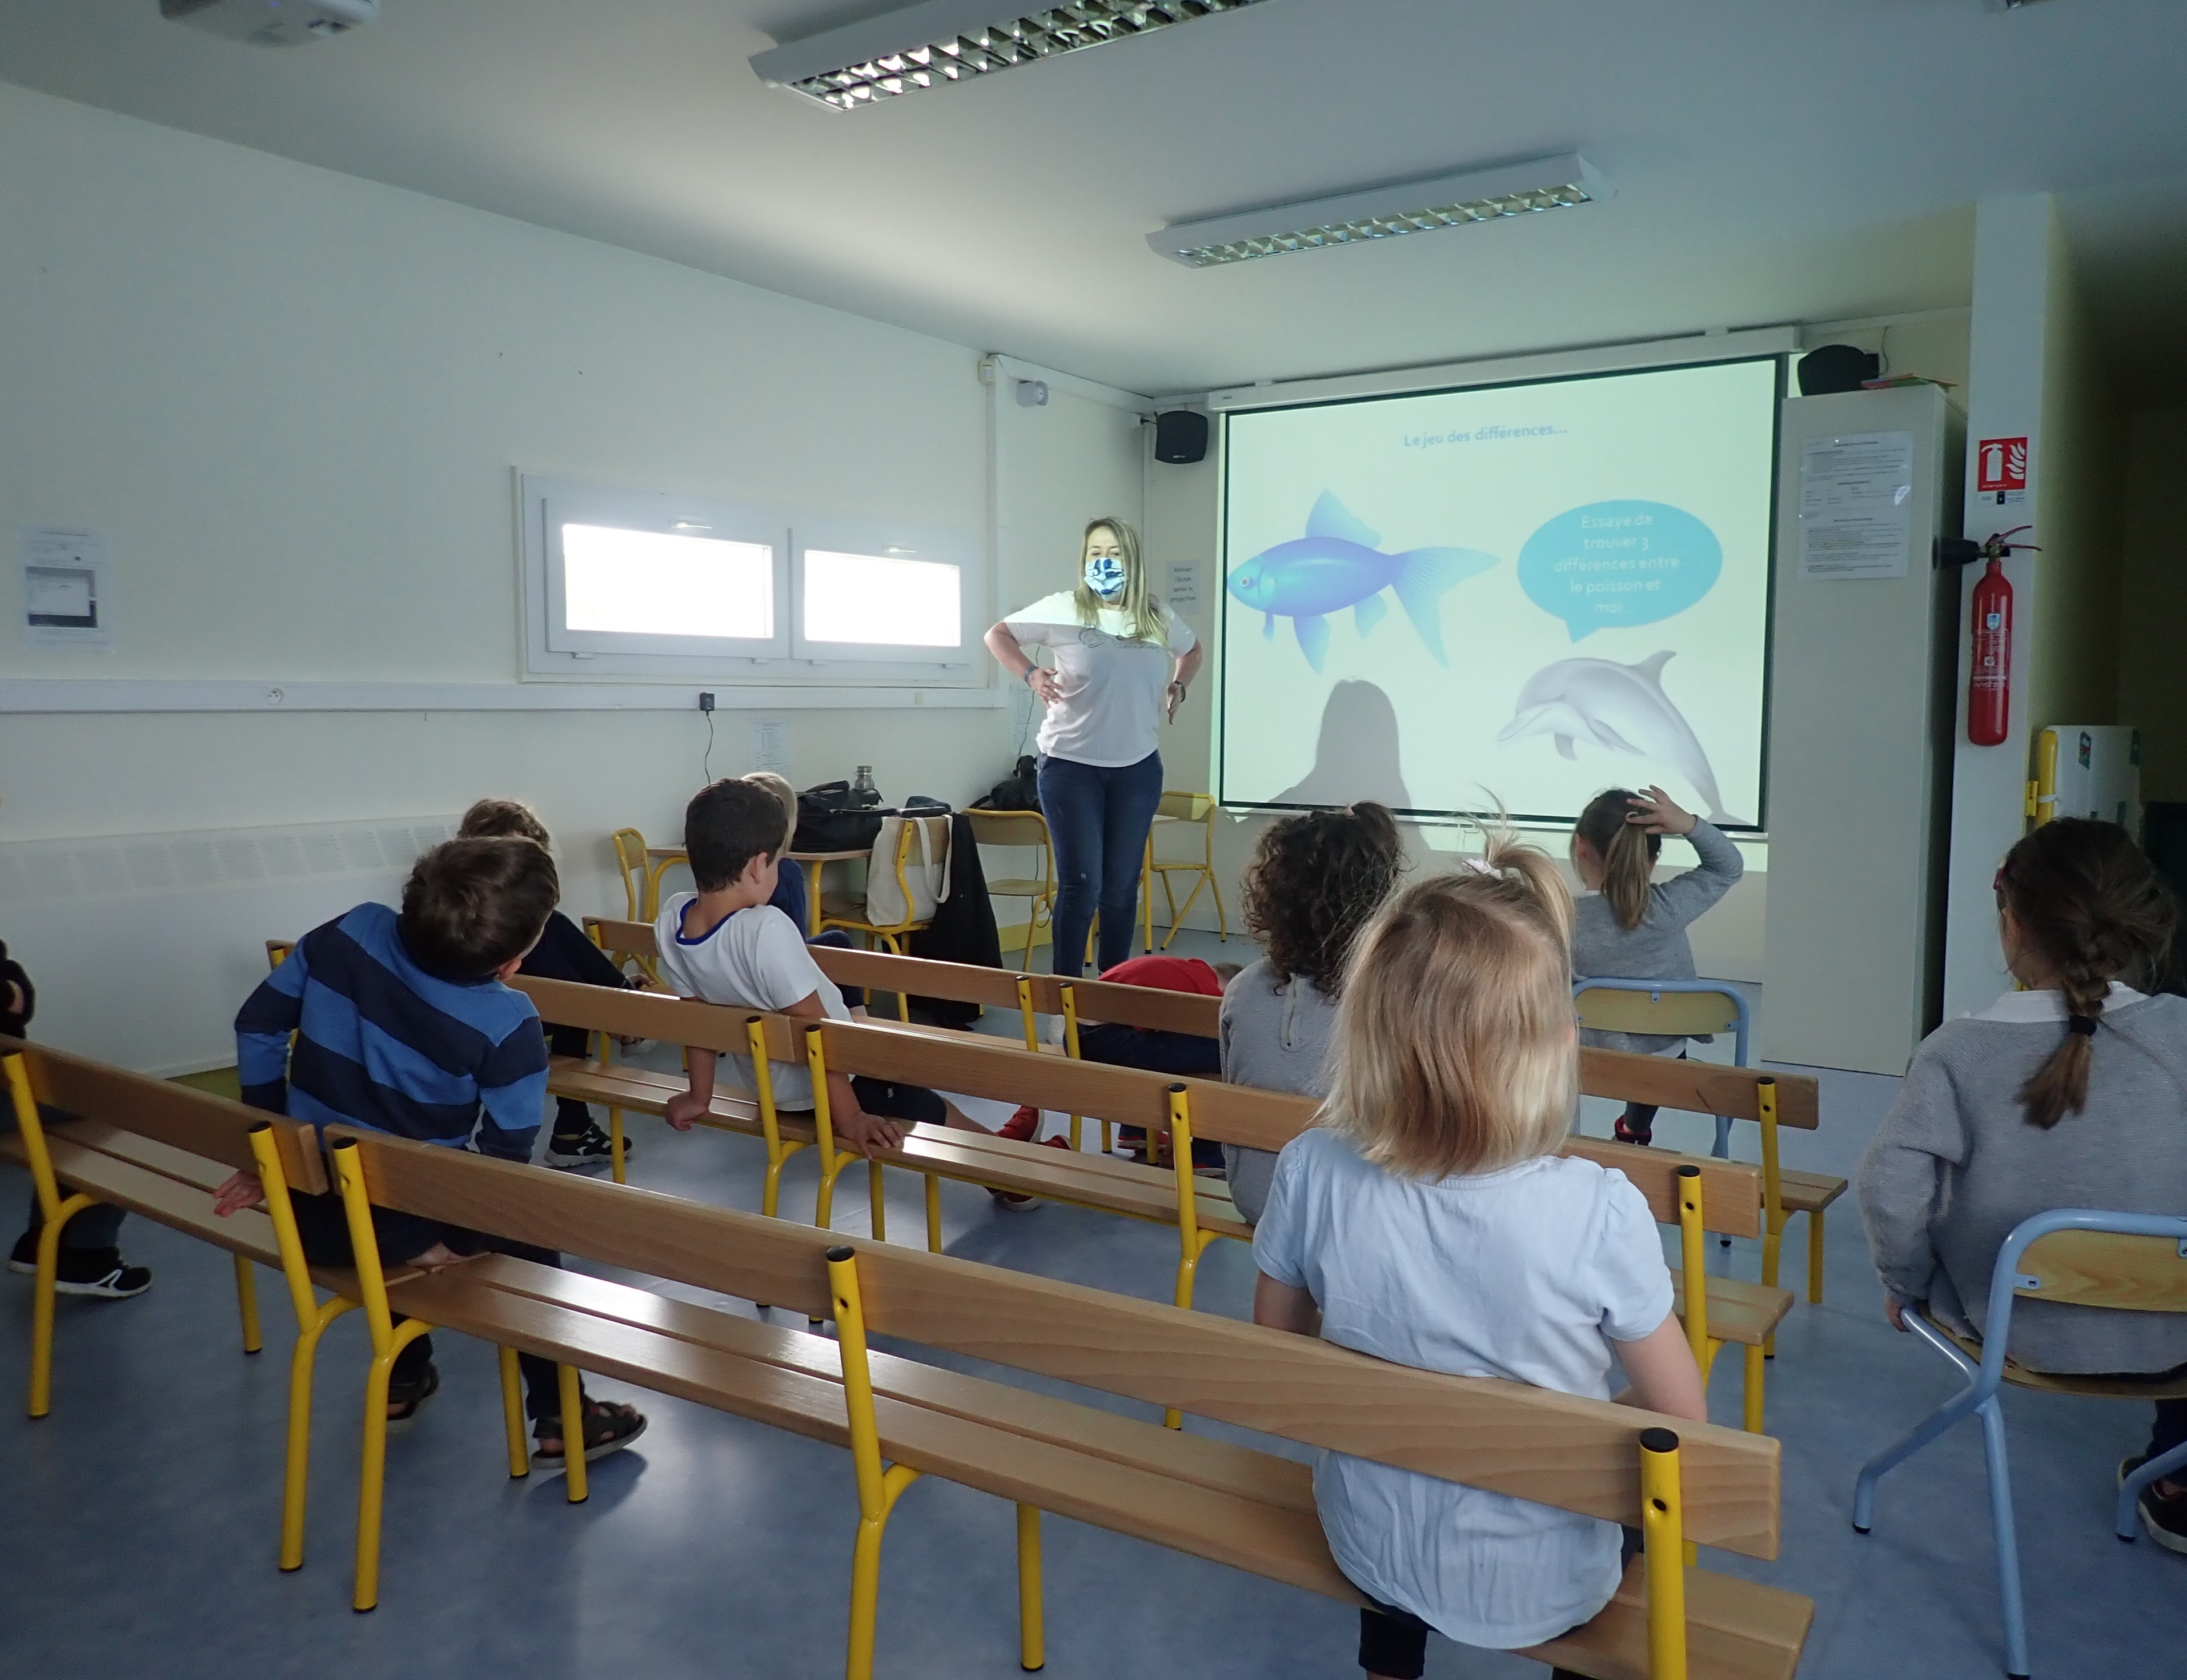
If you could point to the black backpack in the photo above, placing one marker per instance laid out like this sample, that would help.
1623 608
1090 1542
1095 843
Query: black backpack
831 817
1018 791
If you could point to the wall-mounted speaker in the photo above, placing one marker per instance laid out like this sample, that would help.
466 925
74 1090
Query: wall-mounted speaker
1180 437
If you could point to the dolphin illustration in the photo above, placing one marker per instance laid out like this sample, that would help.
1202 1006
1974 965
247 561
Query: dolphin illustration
1621 707
1339 563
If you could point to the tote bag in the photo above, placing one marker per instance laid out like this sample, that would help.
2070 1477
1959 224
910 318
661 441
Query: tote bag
925 870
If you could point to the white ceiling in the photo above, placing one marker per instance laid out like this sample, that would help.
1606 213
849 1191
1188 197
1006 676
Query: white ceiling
1779 161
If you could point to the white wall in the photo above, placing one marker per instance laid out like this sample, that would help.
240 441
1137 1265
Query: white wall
294 400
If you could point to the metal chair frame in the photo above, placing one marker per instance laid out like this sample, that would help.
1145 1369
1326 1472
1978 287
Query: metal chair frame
1038 903
1197 809
2009 1279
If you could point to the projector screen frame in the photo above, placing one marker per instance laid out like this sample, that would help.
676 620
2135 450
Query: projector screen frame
1259 401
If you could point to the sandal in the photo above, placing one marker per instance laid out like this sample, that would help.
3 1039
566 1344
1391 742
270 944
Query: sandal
610 1427
410 1398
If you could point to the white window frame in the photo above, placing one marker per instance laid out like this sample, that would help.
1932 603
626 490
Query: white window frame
902 540
787 657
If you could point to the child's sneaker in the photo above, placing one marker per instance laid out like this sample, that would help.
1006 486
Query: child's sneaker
609 1428
1020 1126
2164 1516
101 1274
590 1148
1626 1134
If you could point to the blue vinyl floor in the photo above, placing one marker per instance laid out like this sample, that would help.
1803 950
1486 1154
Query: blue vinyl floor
140 1519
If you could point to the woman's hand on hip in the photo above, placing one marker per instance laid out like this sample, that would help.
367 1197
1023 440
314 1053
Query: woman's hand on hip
1176 699
1043 682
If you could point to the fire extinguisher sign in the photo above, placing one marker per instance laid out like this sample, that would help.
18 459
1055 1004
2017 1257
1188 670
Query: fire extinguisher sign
2001 469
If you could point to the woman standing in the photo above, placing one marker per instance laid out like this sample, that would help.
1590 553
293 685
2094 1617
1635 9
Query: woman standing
1122 661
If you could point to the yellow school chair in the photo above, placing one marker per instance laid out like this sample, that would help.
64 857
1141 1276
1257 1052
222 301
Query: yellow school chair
1199 811
2124 1262
849 911
1026 830
632 865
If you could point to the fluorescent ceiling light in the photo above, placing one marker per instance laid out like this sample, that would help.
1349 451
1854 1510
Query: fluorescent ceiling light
1385 212
940 42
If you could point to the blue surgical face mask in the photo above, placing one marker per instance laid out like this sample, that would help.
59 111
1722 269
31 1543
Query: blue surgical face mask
1105 577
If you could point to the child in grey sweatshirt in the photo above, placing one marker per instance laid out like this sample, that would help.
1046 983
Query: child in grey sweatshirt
1625 926
2070 1093
1314 882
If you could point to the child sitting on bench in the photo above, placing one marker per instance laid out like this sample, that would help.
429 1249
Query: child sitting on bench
1313 881
403 1025
563 953
726 943
1429 1220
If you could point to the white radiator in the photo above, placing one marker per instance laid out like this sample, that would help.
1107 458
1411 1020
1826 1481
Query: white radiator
143 946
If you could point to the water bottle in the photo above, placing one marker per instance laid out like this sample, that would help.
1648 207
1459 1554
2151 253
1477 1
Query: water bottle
863 791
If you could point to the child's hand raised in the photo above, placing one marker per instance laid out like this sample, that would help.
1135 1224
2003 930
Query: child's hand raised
1658 812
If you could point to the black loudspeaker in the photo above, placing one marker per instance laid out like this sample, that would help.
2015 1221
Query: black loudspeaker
1180 437
1837 367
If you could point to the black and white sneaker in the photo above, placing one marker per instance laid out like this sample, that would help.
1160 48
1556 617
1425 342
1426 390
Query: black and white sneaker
590 1148
98 1273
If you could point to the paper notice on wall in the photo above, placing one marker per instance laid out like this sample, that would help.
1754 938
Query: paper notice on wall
770 744
1856 505
64 589
1183 592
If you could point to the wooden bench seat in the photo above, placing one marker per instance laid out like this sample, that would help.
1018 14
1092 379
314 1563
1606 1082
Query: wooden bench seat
1217 1499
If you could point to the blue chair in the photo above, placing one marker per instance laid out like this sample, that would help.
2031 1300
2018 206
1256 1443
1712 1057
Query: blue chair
2130 1262
1681 1007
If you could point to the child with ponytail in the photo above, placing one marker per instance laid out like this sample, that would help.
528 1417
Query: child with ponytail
1625 926
1428 1220
2071 1092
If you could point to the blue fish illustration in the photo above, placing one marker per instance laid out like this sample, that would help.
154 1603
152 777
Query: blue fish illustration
1339 563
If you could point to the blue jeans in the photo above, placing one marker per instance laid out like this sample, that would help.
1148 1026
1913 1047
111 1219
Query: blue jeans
1098 819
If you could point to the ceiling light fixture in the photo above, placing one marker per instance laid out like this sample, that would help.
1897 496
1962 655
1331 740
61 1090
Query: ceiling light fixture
1556 183
944 41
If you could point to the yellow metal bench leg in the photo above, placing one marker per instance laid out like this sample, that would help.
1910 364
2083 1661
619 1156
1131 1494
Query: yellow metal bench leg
512 1417
372 1488
824 1203
297 1468
933 1214
574 1466
246 1303
1662 1527
1752 1392
1815 1257
1074 1132
42 1303
877 1199
614 1143
1033 1648
866 1574
770 1189
1773 1250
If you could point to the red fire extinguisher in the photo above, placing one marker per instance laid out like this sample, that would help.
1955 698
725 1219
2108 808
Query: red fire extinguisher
1989 688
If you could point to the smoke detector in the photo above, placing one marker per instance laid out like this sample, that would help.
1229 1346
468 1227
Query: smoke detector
273 22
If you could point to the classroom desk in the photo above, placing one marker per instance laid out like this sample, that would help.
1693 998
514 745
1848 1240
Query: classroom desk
662 858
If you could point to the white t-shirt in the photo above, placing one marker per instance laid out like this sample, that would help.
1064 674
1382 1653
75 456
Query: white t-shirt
1523 1274
757 958
1111 690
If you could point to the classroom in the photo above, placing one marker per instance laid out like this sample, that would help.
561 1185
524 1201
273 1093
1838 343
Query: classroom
1340 839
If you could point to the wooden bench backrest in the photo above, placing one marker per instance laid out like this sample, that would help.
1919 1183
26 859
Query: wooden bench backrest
976 1064
195 1121
1665 1082
1579 1455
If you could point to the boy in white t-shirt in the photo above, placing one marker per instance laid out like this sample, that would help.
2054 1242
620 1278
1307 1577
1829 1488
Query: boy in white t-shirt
725 944
1429 1220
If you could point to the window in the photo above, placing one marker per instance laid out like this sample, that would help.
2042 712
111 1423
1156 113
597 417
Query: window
621 583
882 600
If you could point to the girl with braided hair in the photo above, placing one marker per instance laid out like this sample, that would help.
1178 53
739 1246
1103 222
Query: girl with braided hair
2069 1091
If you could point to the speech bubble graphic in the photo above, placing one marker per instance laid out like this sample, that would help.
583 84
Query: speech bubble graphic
1611 565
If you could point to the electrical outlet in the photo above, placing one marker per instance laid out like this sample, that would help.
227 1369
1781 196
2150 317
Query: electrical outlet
706 700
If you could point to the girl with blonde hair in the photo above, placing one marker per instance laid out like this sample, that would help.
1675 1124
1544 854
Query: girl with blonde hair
1428 1220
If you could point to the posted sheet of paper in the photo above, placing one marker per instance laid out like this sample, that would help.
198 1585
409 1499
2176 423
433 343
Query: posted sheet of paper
770 744
64 589
1183 594
1856 495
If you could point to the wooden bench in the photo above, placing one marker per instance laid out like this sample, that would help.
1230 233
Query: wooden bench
903 1419
1726 1196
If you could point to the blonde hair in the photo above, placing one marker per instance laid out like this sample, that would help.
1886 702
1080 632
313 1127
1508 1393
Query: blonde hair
1142 610
502 819
1454 1048
780 788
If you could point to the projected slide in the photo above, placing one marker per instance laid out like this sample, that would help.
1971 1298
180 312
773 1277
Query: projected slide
1524 592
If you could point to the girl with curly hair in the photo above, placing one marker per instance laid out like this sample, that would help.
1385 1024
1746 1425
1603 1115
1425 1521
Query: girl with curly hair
1314 880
